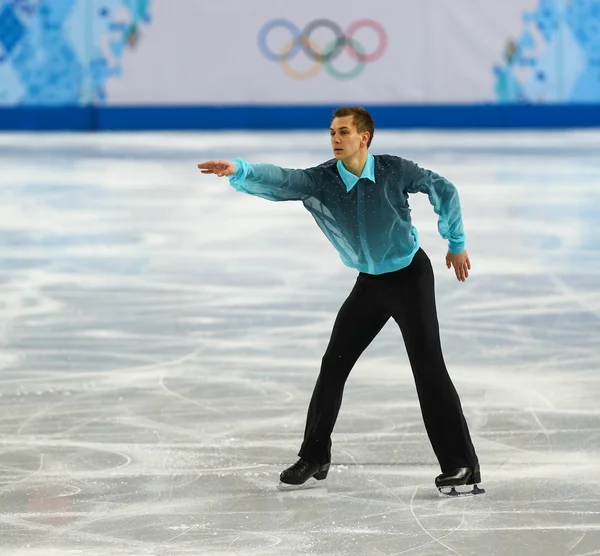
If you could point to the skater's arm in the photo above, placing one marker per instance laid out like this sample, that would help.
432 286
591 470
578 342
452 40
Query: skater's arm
444 198
264 180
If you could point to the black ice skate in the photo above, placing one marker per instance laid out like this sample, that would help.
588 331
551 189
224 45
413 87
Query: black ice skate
303 474
462 476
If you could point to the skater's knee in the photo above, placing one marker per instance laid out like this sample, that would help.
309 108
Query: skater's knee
427 358
333 360
335 365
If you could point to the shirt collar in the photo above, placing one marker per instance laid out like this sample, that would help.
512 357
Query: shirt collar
350 179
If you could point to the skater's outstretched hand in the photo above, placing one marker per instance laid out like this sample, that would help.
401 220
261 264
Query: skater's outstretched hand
461 264
219 167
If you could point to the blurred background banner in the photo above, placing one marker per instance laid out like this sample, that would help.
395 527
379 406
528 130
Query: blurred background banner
204 55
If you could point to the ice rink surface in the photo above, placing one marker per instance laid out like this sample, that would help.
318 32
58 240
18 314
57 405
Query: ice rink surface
161 335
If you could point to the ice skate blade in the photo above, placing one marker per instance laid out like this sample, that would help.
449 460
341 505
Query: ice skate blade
451 491
310 484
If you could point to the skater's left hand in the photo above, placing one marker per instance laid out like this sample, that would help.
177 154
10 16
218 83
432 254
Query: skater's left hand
461 264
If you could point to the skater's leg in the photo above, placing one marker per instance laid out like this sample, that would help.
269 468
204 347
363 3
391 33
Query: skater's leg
358 322
415 312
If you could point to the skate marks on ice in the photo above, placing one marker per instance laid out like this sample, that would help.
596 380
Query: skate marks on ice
161 335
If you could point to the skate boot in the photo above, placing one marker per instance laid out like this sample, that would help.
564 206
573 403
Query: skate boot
303 474
462 476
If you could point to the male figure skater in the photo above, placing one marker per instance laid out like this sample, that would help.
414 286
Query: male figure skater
360 202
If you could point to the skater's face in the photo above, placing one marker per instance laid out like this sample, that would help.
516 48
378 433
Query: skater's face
346 140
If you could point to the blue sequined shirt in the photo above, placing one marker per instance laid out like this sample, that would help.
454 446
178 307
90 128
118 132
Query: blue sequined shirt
367 218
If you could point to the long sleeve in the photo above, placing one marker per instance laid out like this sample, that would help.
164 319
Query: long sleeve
272 182
444 198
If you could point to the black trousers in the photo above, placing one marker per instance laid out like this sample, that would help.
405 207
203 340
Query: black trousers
407 296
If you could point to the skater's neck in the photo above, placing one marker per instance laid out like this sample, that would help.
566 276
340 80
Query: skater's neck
356 163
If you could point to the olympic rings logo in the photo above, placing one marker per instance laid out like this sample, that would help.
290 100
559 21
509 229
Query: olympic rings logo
301 41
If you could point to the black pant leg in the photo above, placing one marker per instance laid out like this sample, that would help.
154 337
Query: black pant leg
359 320
412 299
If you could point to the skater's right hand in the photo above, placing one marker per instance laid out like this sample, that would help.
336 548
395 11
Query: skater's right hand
219 167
